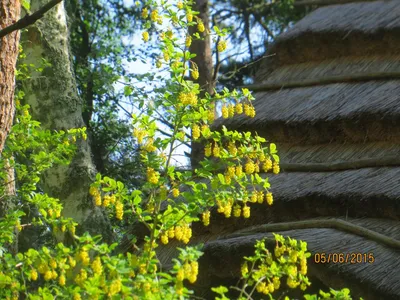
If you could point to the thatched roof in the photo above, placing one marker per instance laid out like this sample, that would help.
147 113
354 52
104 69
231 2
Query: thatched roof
329 97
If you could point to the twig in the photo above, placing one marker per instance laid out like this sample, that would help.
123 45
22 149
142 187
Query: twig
29 19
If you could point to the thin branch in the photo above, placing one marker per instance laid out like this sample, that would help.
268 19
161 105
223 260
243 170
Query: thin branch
29 19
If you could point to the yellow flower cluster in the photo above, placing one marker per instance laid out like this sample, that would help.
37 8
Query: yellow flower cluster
267 165
211 115
239 171
152 176
108 199
225 208
208 150
195 71
95 193
139 134
232 149
249 110
115 287
84 257
181 233
62 280
269 198
154 15
34 275
145 36
303 266
195 132
149 146
188 98
145 13
119 210
188 271
246 212
225 112
216 150
206 218
200 25
179 5
189 17
188 41
265 288
221 46
249 167
244 269
239 108
175 192
275 168
96 265
81 277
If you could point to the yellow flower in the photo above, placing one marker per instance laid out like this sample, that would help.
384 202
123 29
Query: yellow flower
166 56
211 115
269 198
180 276
152 176
119 210
291 282
249 167
159 20
195 74
232 149
239 108
72 261
34 275
275 168
189 17
227 210
61 280
231 171
171 233
145 36
195 132
246 211
178 232
84 257
237 211
158 63
231 110
97 200
77 297
221 46
97 266
228 179
53 263
205 130
207 150
247 109
260 196
216 150
179 5
164 238
175 192
267 165
200 26
188 41
244 269
239 170
115 287
277 283
225 112
145 13
154 15
48 275
93 191
106 200
206 218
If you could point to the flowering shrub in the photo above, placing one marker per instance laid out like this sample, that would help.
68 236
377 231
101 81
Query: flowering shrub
167 204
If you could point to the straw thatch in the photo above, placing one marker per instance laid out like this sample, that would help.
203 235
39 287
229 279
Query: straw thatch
329 98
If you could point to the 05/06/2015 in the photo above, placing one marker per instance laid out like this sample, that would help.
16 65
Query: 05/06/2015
343 258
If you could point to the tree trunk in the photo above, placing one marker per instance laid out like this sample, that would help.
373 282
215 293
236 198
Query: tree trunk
203 60
55 102
9 13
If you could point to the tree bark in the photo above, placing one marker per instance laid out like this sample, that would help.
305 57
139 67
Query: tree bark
9 13
55 102
203 60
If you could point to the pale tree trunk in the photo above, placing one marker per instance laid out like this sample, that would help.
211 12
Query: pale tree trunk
54 101
9 13
203 60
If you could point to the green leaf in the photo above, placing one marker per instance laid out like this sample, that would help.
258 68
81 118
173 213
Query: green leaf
272 148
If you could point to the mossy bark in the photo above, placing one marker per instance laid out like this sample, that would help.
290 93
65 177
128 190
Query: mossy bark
54 100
